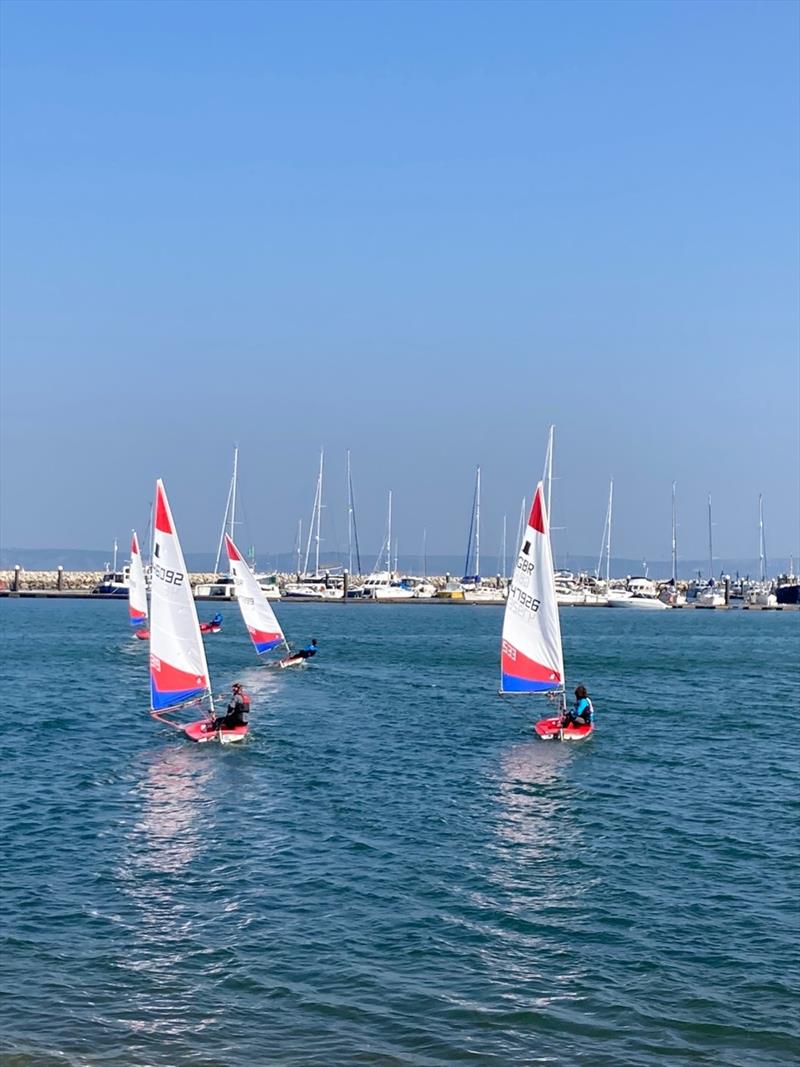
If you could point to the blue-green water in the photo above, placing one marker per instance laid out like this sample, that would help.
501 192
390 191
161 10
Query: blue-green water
392 871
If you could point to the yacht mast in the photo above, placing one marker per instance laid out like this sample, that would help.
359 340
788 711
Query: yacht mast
504 546
233 491
311 526
548 471
349 518
608 531
319 509
389 538
474 529
710 544
299 545
674 539
229 510
478 525
762 552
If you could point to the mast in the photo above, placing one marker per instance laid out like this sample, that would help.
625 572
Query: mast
710 543
310 530
608 530
229 511
316 515
478 525
504 546
425 553
474 522
319 508
232 523
674 539
114 564
548 471
762 551
299 545
349 518
389 538
352 526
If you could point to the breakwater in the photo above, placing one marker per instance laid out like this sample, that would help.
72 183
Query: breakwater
21 580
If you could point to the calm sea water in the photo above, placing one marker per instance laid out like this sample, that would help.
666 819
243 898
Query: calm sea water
392 871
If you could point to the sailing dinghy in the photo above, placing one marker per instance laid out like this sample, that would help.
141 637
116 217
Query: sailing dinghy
531 658
137 591
257 613
178 669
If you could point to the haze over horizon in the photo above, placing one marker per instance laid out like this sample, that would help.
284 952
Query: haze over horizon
420 232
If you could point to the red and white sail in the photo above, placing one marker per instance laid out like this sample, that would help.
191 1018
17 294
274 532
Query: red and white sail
178 668
257 613
531 657
137 588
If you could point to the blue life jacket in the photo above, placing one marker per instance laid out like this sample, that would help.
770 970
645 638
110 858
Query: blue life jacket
585 709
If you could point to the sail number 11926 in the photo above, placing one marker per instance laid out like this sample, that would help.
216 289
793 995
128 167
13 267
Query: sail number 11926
173 577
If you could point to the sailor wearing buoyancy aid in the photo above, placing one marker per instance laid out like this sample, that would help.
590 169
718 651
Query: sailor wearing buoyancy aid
583 713
237 712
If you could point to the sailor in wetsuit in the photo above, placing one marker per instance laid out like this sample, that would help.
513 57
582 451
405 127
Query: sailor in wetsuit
217 619
238 710
584 711
301 654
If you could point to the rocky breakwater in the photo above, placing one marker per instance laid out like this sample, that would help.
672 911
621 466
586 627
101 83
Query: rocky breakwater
17 580
21 580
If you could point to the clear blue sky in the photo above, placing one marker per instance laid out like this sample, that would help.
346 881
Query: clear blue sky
421 231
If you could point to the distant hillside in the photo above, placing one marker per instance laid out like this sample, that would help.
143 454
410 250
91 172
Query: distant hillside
80 559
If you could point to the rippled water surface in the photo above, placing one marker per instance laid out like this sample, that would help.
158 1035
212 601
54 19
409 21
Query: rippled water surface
392 871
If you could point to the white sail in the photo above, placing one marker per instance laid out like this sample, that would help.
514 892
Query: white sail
257 613
178 668
137 588
531 656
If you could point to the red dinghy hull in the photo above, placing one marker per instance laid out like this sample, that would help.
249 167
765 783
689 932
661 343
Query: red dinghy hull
200 731
143 635
550 730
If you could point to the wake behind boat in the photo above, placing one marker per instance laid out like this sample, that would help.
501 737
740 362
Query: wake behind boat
179 675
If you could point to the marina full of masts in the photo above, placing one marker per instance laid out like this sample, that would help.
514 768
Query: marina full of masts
386 582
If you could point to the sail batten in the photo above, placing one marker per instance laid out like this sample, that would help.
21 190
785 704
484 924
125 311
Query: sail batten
531 656
178 668
257 614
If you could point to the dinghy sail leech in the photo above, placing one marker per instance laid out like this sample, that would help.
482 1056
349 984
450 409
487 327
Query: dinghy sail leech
531 657
257 613
137 589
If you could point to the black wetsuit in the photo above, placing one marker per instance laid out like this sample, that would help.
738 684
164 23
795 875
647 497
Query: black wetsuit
238 710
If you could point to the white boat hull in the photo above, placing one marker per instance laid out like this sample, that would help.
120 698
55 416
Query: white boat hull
635 603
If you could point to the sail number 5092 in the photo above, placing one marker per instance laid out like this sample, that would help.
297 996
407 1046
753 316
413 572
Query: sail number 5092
173 577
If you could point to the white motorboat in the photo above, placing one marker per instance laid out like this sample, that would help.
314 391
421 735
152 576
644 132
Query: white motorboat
383 585
639 594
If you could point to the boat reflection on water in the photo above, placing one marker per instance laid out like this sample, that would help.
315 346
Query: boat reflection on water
532 902
167 837
533 800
